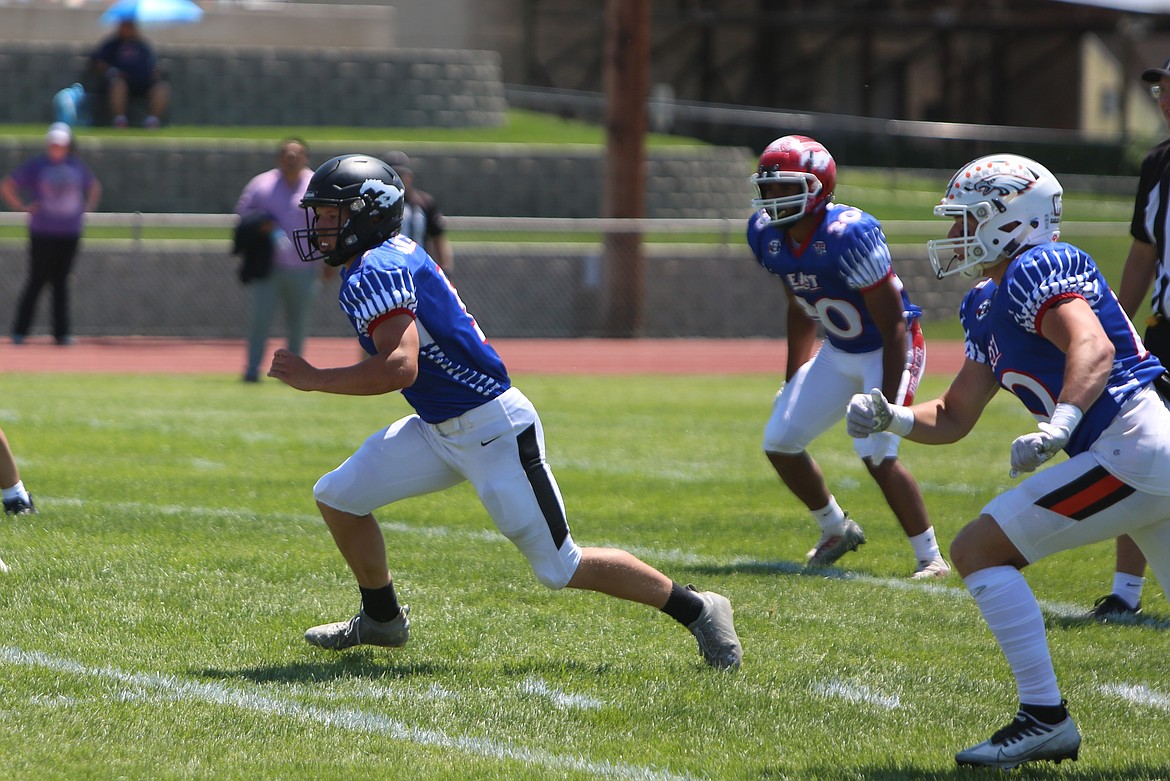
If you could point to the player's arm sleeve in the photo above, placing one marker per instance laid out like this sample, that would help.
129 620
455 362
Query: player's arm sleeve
1044 277
375 297
865 257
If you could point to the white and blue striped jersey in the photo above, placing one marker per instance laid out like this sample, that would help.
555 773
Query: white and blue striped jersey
844 257
1004 324
457 369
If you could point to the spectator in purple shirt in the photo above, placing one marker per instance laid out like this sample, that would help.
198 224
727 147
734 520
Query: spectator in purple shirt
55 189
278 193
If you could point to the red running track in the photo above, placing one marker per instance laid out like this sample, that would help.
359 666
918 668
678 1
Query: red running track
151 355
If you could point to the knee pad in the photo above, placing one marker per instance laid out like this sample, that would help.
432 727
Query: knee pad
786 436
550 582
784 440
325 491
553 568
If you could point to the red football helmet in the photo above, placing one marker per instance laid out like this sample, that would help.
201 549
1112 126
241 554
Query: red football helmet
798 160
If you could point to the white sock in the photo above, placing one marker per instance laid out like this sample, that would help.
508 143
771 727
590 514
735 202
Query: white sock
926 545
1128 587
15 492
1013 615
831 518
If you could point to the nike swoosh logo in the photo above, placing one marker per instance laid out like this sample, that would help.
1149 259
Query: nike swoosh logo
487 442
1023 749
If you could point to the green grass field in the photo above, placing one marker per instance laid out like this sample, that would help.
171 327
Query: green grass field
520 127
154 609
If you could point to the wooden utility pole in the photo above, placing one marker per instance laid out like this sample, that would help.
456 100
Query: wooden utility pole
627 87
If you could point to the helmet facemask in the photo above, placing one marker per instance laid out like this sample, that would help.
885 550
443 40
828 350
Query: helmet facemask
965 254
308 241
787 209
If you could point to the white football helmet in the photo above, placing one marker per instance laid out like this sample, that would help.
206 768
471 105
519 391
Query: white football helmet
1007 202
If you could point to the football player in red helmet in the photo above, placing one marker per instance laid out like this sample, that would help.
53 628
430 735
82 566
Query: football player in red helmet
796 177
839 278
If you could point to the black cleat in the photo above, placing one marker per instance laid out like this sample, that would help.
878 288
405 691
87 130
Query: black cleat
19 506
1111 607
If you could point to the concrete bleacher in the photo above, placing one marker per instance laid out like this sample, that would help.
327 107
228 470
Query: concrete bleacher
508 180
269 85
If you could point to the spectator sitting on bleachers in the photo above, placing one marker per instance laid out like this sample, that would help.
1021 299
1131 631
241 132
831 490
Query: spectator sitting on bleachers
125 66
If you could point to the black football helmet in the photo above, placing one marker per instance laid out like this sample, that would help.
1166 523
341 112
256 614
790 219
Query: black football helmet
371 192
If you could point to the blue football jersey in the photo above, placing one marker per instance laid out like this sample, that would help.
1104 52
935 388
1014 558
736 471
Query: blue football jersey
846 256
457 369
1002 324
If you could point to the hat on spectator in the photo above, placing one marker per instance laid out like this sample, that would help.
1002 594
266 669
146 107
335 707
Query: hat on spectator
59 134
1154 74
399 161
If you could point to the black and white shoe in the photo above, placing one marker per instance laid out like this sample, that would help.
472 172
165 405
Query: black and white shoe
19 506
1111 607
1025 740
362 630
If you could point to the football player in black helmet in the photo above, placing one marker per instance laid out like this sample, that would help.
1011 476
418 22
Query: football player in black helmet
469 424
368 197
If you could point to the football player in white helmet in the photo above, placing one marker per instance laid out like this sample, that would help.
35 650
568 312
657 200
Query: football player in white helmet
838 276
1044 325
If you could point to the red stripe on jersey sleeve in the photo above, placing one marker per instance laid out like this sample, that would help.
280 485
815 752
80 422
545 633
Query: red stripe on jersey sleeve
880 282
377 321
1051 303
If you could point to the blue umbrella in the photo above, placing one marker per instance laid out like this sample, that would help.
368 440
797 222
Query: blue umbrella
152 12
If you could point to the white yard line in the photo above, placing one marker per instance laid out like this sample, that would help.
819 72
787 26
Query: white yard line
833 689
1139 695
852 692
537 688
180 689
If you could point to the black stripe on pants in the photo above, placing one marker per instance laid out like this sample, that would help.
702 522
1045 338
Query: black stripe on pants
540 478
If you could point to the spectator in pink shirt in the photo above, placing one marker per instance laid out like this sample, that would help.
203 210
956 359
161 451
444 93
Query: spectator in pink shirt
278 193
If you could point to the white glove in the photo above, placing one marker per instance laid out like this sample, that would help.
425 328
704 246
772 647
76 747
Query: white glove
1032 450
870 413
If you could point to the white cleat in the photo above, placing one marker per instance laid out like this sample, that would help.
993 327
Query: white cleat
715 631
1025 740
831 547
935 569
